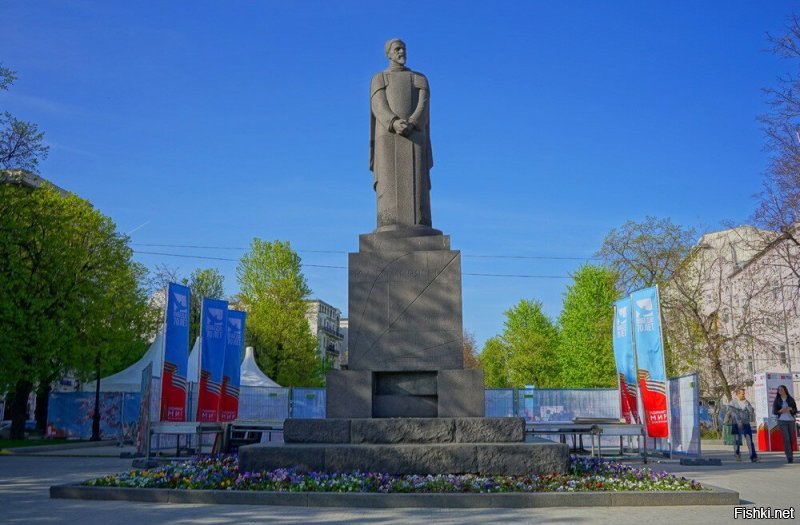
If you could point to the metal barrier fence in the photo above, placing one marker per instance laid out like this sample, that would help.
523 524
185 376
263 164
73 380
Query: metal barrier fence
553 405
70 414
308 403
500 402
684 398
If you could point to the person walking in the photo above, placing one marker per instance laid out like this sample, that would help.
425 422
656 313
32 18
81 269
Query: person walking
740 413
785 408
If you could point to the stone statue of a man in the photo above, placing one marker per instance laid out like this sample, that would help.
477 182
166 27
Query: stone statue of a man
400 143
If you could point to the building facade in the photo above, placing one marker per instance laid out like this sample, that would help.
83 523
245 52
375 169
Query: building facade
747 290
324 319
344 328
765 293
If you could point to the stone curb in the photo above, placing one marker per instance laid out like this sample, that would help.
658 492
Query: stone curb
716 496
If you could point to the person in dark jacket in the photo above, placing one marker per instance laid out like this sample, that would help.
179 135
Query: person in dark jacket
785 408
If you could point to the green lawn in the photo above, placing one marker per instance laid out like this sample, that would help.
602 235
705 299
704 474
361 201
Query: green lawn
14 443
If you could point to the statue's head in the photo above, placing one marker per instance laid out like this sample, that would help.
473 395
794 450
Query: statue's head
396 51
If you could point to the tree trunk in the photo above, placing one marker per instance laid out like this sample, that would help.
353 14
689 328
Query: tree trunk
96 415
726 388
42 399
19 409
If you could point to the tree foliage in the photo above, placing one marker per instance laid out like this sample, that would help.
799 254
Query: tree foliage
645 254
273 290
69 292
21 143
585 351
779 201
7 77
470 353
494 361
525 352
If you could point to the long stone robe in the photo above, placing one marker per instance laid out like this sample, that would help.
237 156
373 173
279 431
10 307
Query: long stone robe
401 165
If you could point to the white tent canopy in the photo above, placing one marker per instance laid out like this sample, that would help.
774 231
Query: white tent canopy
251 374
130 379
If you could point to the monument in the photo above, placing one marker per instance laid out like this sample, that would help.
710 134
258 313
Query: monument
406 331
405 405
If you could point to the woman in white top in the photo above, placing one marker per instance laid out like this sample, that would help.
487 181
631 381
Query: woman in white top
785 408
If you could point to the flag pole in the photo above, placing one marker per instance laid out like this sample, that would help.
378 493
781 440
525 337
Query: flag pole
664 362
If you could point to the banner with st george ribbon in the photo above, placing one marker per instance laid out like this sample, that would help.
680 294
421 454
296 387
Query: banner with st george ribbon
213 325
176 354
231 369
650 361
625 360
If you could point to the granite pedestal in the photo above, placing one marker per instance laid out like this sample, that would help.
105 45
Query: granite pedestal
406 333
409 446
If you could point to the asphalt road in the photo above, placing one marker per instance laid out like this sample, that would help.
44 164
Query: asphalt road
24 498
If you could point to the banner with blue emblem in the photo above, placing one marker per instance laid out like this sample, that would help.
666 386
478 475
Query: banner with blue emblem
213 330
176 354
625 360
231 369
652 373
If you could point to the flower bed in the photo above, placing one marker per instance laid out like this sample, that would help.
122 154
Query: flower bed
222 473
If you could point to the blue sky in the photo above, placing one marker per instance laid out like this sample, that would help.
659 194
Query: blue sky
210 123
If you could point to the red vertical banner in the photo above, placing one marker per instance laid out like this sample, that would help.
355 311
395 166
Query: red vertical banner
231 369
625 360
214 319
651 373
176 354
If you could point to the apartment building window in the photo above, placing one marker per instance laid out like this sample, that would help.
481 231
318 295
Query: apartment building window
782 354
750 365
776 290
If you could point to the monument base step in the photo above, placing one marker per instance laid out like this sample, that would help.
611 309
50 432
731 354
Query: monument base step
508 459
405 430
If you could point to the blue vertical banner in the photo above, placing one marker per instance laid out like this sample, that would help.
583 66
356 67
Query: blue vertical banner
625 360
176 354
652 373
213 330
231 369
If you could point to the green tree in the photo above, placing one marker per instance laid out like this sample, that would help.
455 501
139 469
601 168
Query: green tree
118 317
204 282
525 352
274 293
63 264
585 351
21 143
470 354
494 361
645 254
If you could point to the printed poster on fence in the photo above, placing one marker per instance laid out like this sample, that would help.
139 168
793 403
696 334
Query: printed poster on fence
176 354
624 358
213 324
231 369
143 435
765 388
650 361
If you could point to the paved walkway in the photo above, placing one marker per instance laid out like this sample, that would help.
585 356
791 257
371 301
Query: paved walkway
24 483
